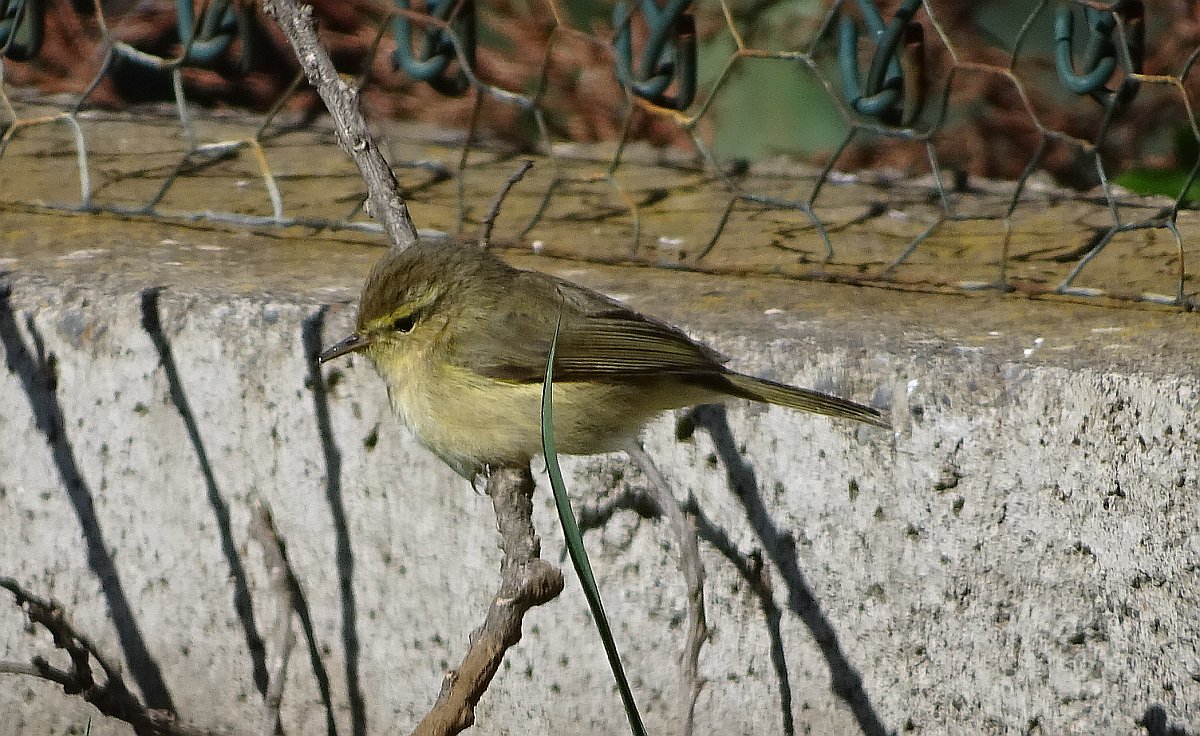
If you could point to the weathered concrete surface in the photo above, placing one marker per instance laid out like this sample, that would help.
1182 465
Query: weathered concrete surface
1019 557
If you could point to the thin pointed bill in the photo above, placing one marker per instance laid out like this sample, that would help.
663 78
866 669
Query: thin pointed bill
351 344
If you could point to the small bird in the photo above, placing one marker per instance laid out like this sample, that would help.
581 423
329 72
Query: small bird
461 339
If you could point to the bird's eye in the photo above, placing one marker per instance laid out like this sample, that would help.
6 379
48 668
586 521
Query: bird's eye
404 324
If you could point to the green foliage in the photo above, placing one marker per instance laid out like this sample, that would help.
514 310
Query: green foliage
1168 182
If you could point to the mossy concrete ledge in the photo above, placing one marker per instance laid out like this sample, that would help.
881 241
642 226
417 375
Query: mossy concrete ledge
1019 556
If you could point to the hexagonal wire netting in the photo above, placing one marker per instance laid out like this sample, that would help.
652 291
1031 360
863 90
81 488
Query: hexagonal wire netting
962 122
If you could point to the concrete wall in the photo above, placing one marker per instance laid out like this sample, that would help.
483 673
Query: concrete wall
1019 557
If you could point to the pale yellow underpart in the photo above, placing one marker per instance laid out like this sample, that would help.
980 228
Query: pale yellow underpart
470 420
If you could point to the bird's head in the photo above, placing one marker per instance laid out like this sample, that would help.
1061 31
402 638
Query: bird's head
411 299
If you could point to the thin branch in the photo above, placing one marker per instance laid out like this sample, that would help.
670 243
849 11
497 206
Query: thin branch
341 99
683 526
283 637
19 668
526 581
485 235
111 697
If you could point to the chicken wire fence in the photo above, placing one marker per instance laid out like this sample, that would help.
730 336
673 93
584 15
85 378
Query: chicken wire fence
996 145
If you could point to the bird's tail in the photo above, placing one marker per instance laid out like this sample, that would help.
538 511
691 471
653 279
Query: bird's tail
760 389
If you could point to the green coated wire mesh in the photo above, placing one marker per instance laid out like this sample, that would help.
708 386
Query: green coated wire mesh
1045 146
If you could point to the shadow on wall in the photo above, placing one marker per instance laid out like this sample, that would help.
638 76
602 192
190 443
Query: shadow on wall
780 549
36 370
311 337
152 324
151 320
1156 724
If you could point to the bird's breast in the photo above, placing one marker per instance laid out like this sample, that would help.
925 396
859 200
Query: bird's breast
460 414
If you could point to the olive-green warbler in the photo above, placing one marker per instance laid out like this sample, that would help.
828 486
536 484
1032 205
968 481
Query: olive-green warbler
461 339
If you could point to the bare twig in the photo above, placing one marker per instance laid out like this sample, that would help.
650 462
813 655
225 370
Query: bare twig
341 99
19 668
489 222
526 581
111 697
283 637
683 526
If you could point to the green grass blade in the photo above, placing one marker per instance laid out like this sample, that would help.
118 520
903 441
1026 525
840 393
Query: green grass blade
579 558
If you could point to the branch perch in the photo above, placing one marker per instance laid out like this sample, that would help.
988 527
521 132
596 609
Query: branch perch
526 581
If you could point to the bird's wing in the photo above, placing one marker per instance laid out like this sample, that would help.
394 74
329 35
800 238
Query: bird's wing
598 337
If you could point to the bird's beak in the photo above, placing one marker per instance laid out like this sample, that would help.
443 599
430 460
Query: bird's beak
351 344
